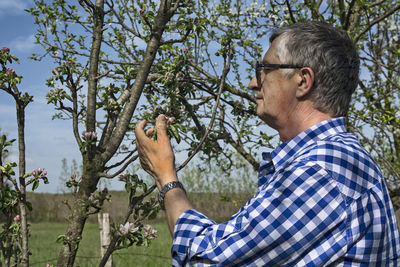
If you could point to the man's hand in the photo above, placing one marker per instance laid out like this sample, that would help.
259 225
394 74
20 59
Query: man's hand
156 156
157 159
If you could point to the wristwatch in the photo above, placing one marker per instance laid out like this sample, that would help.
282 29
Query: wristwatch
166 188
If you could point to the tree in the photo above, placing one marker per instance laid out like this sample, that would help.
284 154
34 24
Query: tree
375 115
13 202
177 55
118 99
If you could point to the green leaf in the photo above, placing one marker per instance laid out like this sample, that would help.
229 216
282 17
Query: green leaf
29 205
175 133
127 188
35 185
60 238
144 186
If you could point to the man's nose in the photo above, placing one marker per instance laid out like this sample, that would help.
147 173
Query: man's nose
253 84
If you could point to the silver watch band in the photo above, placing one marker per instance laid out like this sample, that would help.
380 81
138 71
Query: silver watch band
166 188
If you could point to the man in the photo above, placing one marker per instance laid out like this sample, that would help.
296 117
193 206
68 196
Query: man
321 199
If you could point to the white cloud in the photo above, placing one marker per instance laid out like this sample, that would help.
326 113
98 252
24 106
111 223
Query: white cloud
11 7
23 44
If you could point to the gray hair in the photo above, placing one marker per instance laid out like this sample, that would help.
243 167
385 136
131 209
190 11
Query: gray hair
330 53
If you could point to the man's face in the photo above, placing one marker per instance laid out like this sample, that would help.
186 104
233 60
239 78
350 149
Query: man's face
275 93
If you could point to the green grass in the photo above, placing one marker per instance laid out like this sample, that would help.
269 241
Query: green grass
45 249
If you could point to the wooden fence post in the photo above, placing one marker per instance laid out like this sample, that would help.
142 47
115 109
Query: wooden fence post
105 235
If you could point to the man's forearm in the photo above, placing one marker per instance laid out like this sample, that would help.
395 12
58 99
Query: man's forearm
175 202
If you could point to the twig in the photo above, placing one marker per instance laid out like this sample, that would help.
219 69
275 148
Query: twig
292 18
221 86
109 176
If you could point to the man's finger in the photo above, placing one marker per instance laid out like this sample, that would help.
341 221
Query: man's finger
139 130
161 126
149 132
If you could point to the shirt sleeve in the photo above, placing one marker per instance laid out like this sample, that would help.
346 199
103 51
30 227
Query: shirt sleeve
295 209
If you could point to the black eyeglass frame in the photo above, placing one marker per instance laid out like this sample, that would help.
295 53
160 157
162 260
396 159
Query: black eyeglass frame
261 66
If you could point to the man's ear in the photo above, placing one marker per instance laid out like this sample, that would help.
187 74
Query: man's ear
305 82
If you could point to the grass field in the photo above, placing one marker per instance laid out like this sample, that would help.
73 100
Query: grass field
48 222
45 249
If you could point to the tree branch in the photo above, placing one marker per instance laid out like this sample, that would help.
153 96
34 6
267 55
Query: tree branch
160 21
375 21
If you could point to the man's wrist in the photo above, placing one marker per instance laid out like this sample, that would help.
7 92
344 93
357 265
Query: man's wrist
162 180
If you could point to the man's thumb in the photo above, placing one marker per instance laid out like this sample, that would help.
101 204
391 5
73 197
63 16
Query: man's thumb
161 126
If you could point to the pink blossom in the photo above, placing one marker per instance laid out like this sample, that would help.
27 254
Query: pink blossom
150 232
51 91
10 72
44 172
124 229
16 218
132 228
73 176
141 11
29 230
171 119
34 172
5 49
89 135
148 228
47 265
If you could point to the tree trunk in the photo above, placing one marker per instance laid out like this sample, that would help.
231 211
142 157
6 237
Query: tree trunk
91 167
22 197
93 161
79 211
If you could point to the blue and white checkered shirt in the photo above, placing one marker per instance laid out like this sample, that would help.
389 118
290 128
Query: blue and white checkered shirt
321 200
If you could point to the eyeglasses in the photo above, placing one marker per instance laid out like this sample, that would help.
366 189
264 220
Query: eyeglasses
261 66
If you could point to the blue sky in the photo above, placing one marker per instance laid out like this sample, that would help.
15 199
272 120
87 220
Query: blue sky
47 141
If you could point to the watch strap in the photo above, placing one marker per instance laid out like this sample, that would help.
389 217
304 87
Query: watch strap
166 188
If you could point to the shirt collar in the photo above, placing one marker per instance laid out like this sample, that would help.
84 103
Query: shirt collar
272 160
